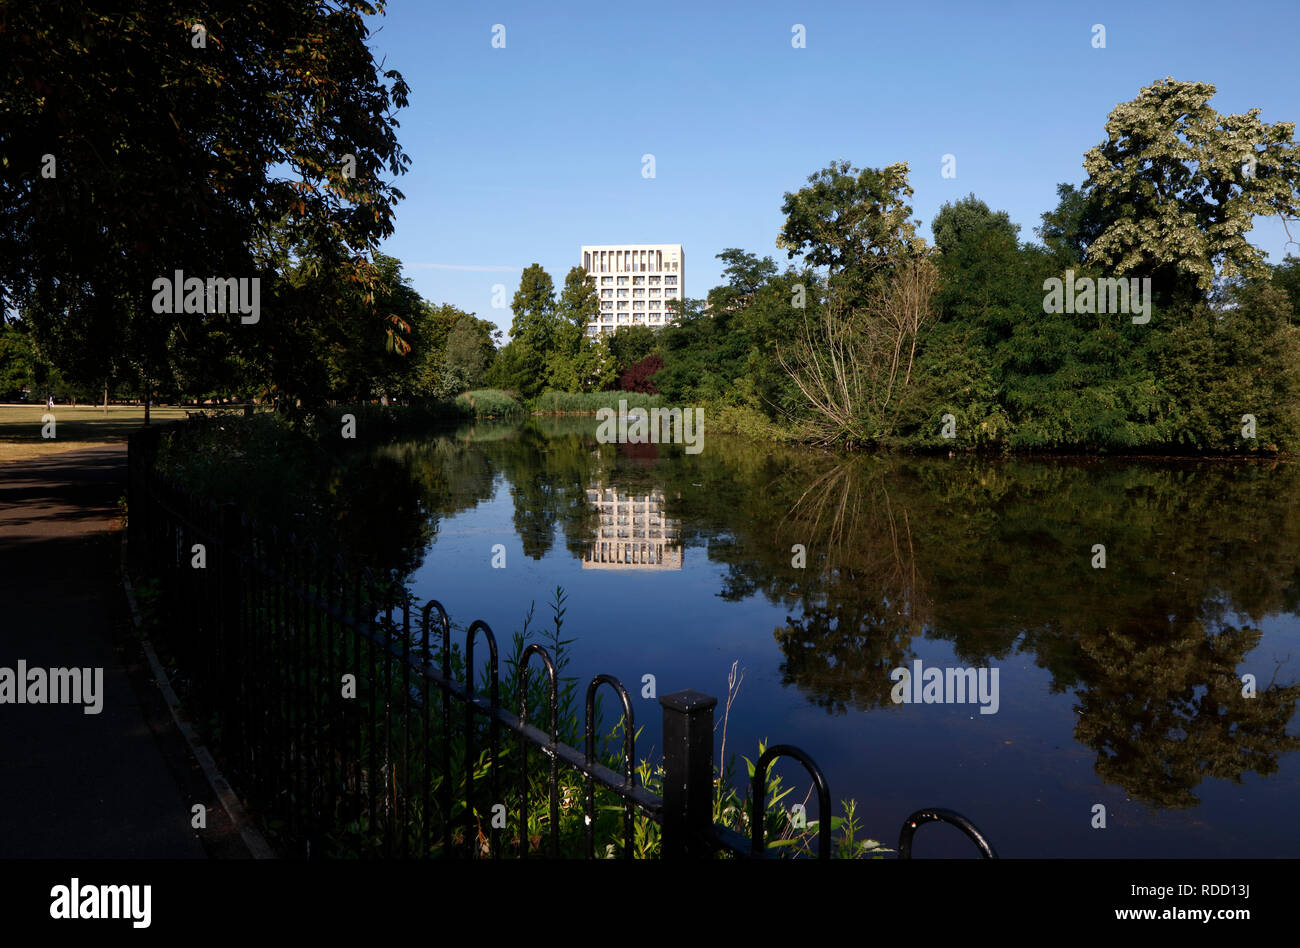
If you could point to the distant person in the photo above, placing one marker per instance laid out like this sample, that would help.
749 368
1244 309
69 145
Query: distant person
49 403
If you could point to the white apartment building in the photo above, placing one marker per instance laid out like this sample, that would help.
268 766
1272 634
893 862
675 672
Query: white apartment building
635 283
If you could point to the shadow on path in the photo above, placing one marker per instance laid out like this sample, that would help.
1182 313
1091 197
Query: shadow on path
76 785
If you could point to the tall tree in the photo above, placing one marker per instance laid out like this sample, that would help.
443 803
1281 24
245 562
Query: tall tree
1286 275
517 368
20 366
432 330
745 274
144 142
855 223
631 344
468 354
1065 228
1176 186
964 219
534 322
569 364
374 355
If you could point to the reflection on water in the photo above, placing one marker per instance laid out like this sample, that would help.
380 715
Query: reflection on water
633 533
1140 669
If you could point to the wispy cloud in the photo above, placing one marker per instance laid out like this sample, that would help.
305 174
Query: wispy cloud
478 268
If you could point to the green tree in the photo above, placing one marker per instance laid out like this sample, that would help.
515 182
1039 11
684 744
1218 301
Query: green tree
1286 276
745 274
852 358
468 354
573 357
432 330
855 223
1176 186
534 324
630 344
374 356
517 368
1064 230
20 367
960 221
1217 364
181 149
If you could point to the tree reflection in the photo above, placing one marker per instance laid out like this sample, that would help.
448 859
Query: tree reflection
992 556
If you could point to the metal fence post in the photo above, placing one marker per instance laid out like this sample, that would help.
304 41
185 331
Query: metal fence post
688 774
230 624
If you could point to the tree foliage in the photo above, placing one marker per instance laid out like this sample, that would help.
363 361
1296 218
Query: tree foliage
853 222
469 353
143 142
962 221
639 377
534 323
1176 186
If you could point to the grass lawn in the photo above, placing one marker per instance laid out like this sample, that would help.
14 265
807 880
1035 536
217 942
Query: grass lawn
80 427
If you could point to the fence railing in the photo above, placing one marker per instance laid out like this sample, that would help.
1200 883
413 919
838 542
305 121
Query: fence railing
337 720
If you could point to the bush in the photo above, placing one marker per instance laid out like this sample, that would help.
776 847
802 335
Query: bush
591 402
640 376
490 403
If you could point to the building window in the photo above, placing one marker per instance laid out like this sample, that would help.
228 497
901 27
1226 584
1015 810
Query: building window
654 281
638 293
655 292
606 281
639 304
638 281
622 281
606 294
670 281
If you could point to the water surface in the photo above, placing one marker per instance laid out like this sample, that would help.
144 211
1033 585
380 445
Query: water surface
1119 686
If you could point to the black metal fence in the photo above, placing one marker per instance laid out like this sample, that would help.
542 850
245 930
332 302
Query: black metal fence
353 732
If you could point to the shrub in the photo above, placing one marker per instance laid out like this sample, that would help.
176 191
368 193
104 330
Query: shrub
639 377
490 403
591 402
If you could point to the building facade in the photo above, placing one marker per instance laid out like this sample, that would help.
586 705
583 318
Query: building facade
635 282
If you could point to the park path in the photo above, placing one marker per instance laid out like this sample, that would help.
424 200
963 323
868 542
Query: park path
76 785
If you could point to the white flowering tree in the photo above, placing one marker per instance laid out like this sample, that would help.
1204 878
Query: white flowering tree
1175 188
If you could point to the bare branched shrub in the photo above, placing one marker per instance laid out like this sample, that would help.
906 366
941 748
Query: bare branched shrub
852 362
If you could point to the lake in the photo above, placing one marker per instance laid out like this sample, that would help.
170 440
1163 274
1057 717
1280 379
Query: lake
1120 601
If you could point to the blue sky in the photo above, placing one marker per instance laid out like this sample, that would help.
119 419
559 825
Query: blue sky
522 154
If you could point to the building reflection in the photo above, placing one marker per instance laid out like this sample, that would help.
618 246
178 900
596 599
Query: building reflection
633 533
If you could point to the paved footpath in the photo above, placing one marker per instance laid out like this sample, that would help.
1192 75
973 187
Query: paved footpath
113 785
